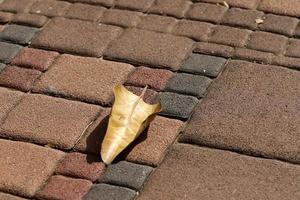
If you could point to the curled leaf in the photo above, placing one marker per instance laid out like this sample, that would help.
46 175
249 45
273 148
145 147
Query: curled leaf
130 115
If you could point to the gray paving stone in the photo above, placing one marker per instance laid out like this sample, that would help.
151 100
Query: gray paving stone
18 34
194 85
126 174
2 66
177 105
109 192
203 64
8 52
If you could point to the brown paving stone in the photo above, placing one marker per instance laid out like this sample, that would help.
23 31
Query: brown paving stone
293 48
176 8
157 23
139 5
230 36
214 49
283 7
18 78
297 31
96 2
88 79
1 28
150 96
151 48
257 113
206 12
60 34
6 17
5 196
236 3
287 62
252 55
154 78
48 120
81 166
8 99
123 18
268 42
30 19
194 173
16 5
35 58
25 167
84 12
63 188
49 8
193 29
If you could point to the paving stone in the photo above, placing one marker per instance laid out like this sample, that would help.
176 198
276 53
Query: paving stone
18 34
177 105
111 193
154 78
139 5
157 23
279 24
193 29
8 51
123 18
25 167
176 8
84 12
50 8
297 31
151 48
18 78
30 19
126 174
189 84
203 65
16 5
8 100
2 66
214 174
151 146
5 196
150 96
241 17
214 49
287 62
48 120
63 188
1 28
6 17
35 58
283 7
293 48
56 36
107 3
230 36
81 165
236 3
207 12
97 78
257 113
268 42
252 55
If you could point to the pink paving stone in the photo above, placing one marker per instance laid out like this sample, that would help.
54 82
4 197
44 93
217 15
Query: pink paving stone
8 99
154 78
25 167
35 58
5 196
48 120
82 166
63 188
88 79
283 7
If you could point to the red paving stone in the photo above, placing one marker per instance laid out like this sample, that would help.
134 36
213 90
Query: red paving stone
8 99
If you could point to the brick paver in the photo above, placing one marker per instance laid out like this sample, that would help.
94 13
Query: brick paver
16 5
8 51
284 7
157 23
84 12
175 8
5 196
139 5
30 19
50 8
236 3
8 99
207 12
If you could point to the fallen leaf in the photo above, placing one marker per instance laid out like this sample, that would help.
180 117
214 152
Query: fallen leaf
130 115
259 21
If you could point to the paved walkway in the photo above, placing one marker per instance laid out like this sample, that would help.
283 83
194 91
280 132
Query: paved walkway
226 73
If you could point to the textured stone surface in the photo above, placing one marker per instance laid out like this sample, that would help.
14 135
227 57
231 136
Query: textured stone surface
214 174
193 29
214 49
151 48
8 99
8 51
150 95
251 108
252 55
16 5
84 12
25 167
97 78
123 18
49 120
293 48
111 193
284 7
126 174
18 78
154 78
236 3
56 36
6 17
2 66
177 105
157 23
35 58
81 165
107 3
18 34
189 84
139 5
206 12
175 8
268 42
203 65
30 19
5 196
60 187
49 8
287 62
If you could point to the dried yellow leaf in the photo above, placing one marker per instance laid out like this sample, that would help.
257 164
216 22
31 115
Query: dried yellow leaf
130 115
